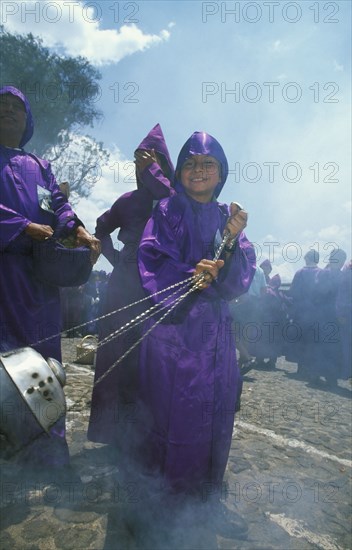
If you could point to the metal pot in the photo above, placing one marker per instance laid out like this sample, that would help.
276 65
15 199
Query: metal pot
31 397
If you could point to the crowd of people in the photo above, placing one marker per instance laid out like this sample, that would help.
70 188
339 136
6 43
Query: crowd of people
185 385
308 322
321 314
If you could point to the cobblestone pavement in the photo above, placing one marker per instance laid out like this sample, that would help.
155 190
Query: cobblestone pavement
288 476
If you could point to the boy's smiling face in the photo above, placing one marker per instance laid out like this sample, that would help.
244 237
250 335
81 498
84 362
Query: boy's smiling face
200 174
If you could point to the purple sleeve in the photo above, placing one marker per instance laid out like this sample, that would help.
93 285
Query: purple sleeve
12 225
21 175
108 250
117 215
154 180
161 265
237 274
159 257
106 224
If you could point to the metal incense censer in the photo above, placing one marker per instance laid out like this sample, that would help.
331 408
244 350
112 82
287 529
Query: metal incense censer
31 397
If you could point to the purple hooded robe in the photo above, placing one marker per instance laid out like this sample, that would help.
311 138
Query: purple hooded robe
329 352
265 336
189 375
303 311
114 398
344 316
29 309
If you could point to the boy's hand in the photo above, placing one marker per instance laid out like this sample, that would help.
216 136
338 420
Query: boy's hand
210 269
237 220
144 159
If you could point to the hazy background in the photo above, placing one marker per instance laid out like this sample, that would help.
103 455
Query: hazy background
270 80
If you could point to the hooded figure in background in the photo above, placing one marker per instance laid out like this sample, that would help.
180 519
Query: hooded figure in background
190 381
31 208
114 398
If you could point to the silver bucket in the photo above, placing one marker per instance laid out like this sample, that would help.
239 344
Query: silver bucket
31 397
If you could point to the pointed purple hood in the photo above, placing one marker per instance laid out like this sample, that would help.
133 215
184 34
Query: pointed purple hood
201 143
156 140
29 125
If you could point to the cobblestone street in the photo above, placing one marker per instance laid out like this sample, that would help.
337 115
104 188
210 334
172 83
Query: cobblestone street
288 476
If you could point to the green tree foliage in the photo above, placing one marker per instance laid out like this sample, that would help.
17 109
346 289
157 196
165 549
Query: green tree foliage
62 91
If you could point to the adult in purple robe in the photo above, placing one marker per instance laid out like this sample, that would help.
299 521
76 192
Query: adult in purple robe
245 313
303 348
267 268
30 309
344 317
267 341
114 398
329 354
189 375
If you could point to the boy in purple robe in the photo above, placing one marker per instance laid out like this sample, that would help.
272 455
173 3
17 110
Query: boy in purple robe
189 378
30 309
114 398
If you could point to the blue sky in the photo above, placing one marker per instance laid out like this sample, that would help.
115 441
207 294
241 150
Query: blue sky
270 80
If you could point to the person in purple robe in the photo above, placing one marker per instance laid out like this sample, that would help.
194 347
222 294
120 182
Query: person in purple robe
113 405
245 313
189 378
267 268
329 353
303 349
344 317
266 341
31 208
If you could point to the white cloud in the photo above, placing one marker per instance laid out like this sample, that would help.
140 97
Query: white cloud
334 233
269 238
276 45
338 67
75 29
286 272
